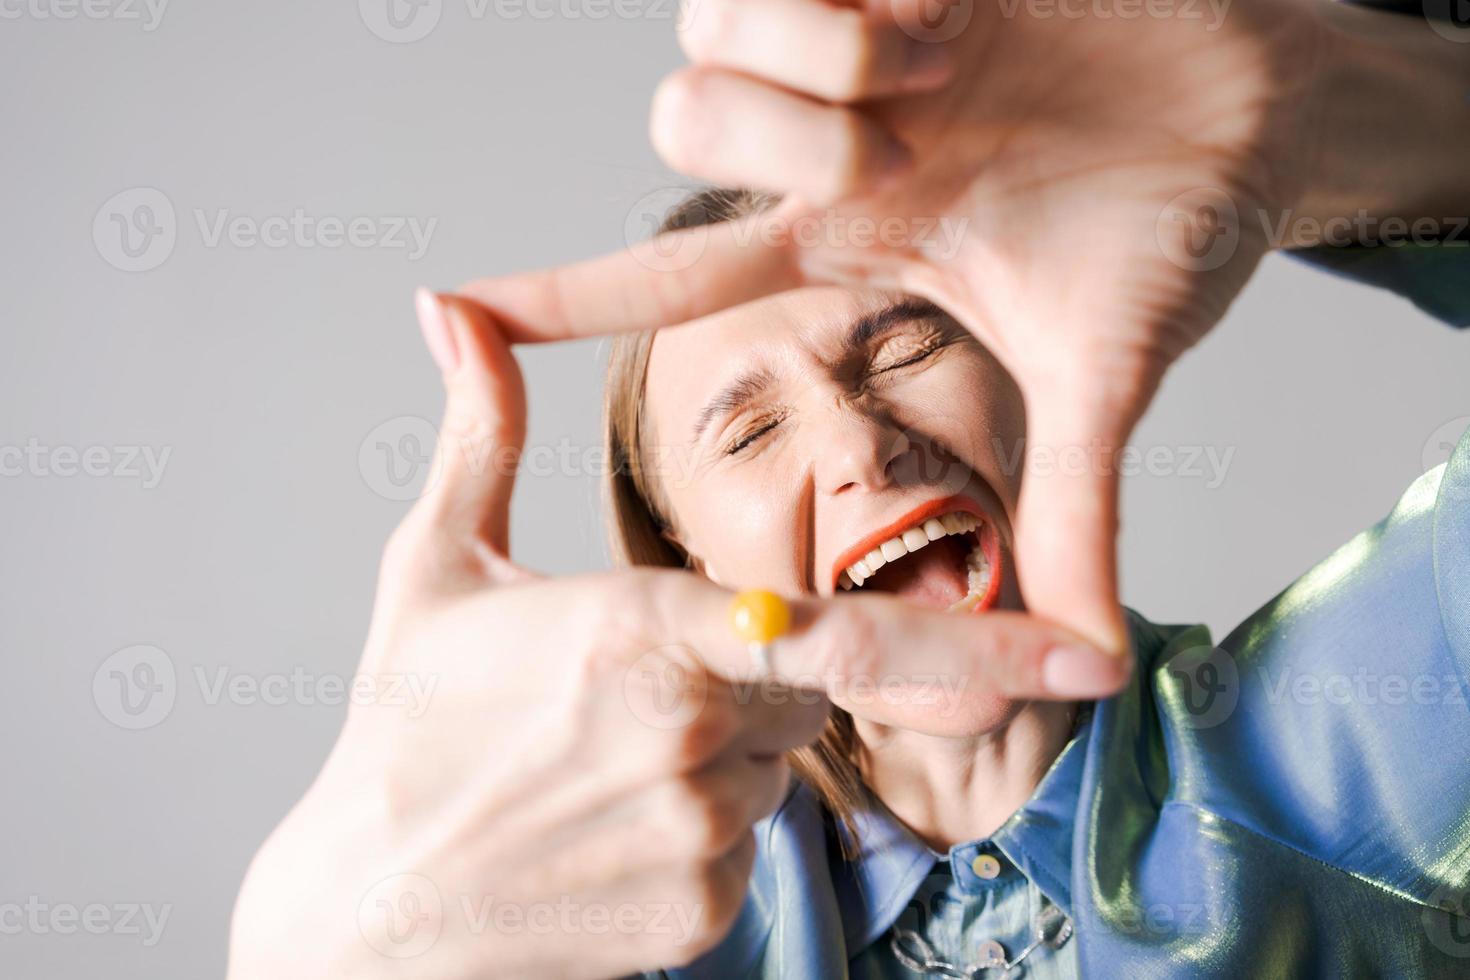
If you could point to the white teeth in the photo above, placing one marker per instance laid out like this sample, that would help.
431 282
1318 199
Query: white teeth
912 540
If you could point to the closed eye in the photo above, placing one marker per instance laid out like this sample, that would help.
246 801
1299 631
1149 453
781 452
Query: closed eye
751 436
903 351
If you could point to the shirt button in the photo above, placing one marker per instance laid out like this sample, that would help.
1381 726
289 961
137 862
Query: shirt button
991 952
986 866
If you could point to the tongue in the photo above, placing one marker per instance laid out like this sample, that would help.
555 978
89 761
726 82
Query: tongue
933 576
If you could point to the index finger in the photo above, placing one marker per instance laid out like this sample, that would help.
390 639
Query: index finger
671 279
887 660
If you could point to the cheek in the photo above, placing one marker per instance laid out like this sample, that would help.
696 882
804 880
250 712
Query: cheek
743 526
988 433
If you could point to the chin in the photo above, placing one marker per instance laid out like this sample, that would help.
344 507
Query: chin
969 717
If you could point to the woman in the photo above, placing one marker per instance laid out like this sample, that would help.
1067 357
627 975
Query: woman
578 801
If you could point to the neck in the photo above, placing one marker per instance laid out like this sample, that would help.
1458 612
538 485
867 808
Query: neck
949 790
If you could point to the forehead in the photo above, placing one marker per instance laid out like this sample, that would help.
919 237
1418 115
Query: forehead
804 325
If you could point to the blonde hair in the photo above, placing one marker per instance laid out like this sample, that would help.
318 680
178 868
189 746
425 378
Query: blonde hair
641 527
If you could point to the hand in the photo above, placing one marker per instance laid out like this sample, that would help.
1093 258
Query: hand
593 750
1079 156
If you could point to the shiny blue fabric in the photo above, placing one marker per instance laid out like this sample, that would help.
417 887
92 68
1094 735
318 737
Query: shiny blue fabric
1291 802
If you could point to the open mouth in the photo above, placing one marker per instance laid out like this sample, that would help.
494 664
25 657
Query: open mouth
943 555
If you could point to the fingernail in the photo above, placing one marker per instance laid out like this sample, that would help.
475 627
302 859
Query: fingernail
1078 672
929 66
434 322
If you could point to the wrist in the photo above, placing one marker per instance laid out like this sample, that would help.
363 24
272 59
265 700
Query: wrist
1382 155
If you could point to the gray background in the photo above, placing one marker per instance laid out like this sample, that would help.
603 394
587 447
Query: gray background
264 371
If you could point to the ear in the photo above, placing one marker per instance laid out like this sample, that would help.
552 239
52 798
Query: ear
691 561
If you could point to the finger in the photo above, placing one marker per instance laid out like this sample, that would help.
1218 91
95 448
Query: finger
484 425
839 54
706 813
734 130
670 280
883 658
1067 521
775 717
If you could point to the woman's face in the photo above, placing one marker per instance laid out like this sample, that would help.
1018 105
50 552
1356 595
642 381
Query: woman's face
798 436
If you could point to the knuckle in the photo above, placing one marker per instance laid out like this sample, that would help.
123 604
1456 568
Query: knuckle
850 155
674 120
856 41
700 824
707 733
706 24
846 646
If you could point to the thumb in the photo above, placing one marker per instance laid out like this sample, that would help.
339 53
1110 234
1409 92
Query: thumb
484 425
1067 520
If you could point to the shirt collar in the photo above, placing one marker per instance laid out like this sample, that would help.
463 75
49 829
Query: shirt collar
873 890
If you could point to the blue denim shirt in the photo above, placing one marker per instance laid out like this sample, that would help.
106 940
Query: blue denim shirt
1291 802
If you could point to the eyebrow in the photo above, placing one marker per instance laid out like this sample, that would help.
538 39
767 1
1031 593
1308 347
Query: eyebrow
873 324
731 398
749 385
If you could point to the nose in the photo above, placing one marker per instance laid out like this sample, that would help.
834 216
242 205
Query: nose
858 451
